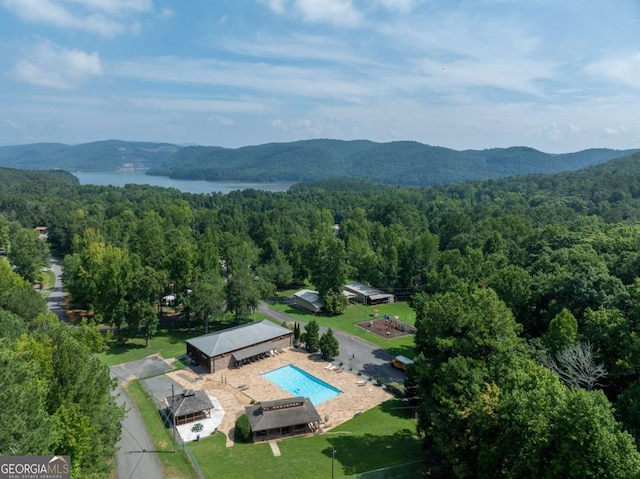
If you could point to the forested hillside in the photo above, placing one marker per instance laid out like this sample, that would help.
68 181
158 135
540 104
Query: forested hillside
400 162
109 155
526 292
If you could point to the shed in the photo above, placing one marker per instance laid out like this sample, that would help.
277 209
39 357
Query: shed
282 418
191 405
366 294
233 346
308 300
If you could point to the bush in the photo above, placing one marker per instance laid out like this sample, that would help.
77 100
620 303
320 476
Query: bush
242 432
397 389
380 380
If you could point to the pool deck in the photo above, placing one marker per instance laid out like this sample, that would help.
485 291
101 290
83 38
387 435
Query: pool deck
235 388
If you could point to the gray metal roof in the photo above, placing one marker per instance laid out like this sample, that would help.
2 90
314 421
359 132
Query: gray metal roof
252 351
189 402
312 298
238 337
362 288
281 413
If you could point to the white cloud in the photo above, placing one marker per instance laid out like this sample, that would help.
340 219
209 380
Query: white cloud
101 17
401 6
48 64
615 130
624 70
297 47
202 105
276 6
279 80
333 12
519 76
222 120
115 6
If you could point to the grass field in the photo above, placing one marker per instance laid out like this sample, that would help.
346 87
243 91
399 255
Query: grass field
175 465
358 313
381 437
170 342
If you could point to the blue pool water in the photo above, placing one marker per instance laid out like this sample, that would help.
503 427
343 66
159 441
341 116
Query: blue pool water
300 383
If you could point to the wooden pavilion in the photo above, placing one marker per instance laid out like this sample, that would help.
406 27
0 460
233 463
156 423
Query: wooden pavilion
283 418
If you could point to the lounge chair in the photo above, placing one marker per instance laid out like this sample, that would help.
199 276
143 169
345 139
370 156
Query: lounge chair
328 366
362 382
331 368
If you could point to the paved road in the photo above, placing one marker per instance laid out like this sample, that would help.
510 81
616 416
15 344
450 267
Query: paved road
56 291
135 458
356 353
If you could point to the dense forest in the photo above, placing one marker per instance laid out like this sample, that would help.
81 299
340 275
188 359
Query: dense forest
399 162
56 396
526 292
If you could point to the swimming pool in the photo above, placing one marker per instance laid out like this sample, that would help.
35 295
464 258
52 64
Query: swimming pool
300 383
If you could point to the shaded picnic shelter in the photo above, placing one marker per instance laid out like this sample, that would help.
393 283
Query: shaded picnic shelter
282 418
189 406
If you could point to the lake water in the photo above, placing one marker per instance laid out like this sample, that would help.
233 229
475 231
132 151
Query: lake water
114 178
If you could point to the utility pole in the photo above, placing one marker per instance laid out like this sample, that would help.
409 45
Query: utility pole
333 456
173 416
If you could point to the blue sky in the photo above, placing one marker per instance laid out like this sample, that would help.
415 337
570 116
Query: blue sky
555 75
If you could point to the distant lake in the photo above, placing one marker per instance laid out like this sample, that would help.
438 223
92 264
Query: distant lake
114 178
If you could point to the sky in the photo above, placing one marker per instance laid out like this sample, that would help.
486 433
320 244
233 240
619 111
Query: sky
558 76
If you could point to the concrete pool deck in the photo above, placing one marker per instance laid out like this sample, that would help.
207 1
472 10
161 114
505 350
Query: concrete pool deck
235 388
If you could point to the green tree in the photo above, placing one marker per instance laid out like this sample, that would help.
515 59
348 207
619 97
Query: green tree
25 426
311 336
628 409
242 431
80 379
466 342
242 295
329 345
585 441
563 332
335 303
296 331
24 301
328 263
28 254
207 300
145 288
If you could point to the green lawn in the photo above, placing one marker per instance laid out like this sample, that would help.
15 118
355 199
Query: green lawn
381 437
358 313
170 342
175 465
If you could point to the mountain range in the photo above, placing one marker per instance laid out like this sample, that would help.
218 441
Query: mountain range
400 162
